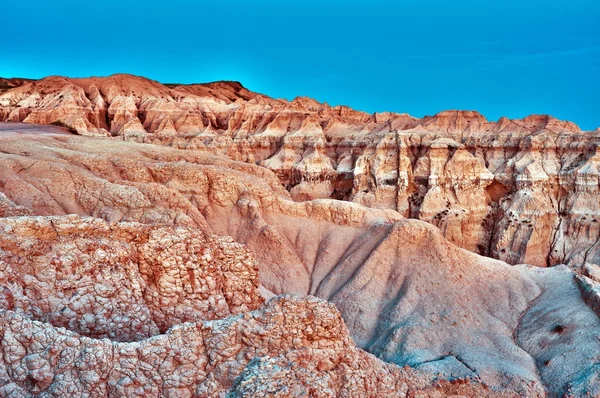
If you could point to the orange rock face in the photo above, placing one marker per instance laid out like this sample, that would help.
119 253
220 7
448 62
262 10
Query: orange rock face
156 246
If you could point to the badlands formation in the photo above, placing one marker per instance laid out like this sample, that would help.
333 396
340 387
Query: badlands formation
205 240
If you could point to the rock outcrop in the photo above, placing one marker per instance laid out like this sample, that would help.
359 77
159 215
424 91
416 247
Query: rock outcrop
124 281
291 347
523 191
407 294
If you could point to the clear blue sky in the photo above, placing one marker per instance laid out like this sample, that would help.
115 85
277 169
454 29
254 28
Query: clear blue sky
510 57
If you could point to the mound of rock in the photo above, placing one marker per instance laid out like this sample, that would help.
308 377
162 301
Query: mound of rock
291 347
122 281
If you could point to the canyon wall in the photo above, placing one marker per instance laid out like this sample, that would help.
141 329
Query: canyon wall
523 191
205 240
439 320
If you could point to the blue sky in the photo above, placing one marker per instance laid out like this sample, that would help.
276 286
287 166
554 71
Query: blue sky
507 58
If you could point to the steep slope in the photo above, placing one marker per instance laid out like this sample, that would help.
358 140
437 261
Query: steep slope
517 190
406 293
561 332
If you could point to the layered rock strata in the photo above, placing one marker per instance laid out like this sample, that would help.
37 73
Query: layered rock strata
407 294
523 191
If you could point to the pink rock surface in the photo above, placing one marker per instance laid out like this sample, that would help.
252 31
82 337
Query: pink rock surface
406 294
517 190
122 281
290 347
140 235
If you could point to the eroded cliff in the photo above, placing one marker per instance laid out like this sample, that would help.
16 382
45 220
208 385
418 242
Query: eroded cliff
523 191
406 294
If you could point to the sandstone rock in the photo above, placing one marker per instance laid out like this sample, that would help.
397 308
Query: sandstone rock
292 346
124 281
561 333
531 198
592 271
267 172
407 294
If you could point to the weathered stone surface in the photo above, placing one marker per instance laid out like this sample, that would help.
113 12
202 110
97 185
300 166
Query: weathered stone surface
561 333
190 164
122 281
523 191
291 347
407 294
590 291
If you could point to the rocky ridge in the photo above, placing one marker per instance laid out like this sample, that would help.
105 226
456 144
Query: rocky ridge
523 191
